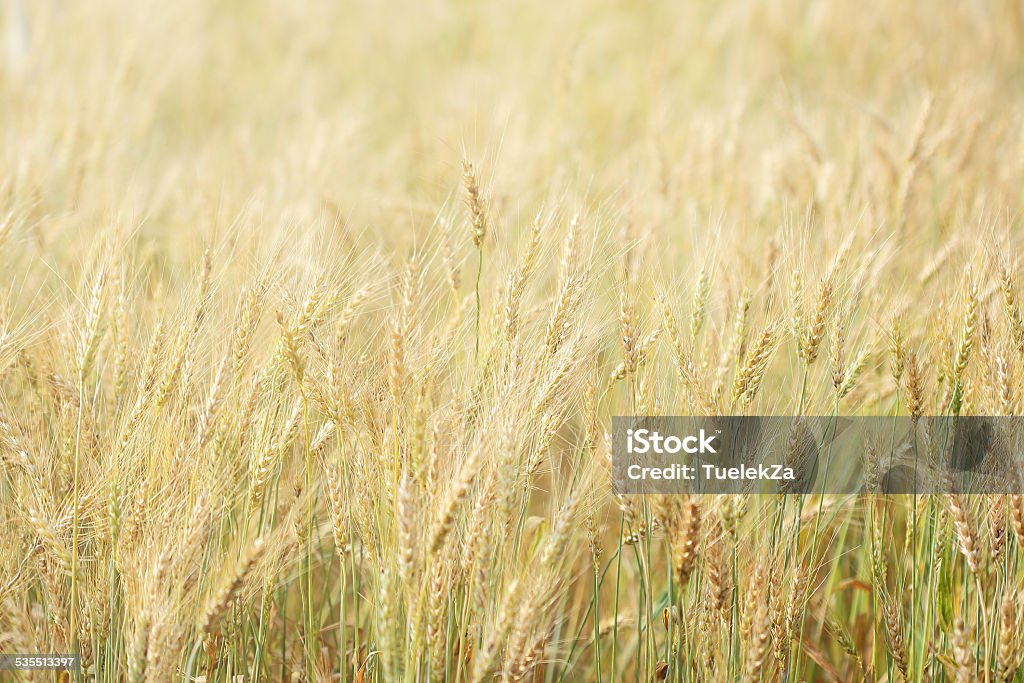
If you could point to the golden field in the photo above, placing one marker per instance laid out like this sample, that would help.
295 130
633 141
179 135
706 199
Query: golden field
314 317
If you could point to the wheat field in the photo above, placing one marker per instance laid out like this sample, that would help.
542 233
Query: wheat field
314 317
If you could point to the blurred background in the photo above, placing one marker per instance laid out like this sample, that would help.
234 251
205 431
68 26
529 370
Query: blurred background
673 115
